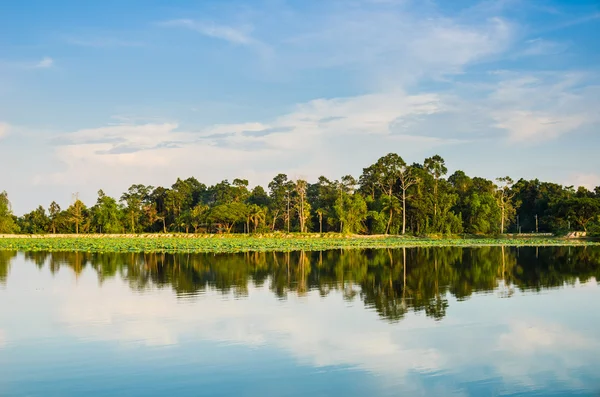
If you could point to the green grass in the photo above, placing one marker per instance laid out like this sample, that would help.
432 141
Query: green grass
244 243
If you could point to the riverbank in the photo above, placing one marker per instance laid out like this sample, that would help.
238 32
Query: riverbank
252 243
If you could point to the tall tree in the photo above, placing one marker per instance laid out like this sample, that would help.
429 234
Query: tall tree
504 198
436 166
54 211
106 214
134 198
385 173
301 205
35 222
76 213
7 221
407 179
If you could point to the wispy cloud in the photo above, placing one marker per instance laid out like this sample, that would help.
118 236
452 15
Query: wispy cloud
539 46
211 29
574 22
538 108
45 63
299 139
102 42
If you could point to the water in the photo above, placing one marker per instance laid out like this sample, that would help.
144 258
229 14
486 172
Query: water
443 321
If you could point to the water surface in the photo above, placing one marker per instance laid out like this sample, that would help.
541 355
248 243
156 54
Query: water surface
438 321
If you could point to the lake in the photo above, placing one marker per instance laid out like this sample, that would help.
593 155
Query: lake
426 321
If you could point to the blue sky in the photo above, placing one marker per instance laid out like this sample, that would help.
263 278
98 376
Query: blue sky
105 94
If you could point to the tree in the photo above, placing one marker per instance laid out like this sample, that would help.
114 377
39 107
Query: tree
436 166
407 180
7 221
504 196
54 211
106 214
228 214
351 209
134 199
385 173
257 215
320 213
279 192
259 197
197 215
301 205
582 210
391 206
35 222
76 213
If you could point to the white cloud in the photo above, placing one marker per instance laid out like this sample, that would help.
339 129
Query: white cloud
303 142
395 48
539 108
211 29
46 62
302 327
4 130
525 338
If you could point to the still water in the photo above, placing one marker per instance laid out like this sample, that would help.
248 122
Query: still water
443 321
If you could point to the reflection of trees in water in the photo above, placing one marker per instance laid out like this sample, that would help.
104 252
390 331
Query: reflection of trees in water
6 258
392 282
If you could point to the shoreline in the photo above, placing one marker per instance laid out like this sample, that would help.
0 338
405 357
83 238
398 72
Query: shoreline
190 243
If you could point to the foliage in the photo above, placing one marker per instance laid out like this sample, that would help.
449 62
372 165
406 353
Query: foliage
399 198
7 220
270 242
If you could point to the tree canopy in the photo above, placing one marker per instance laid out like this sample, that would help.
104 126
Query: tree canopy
389 197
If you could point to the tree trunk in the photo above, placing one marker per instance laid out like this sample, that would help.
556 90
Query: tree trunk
387 229
288 214
403 211
435 188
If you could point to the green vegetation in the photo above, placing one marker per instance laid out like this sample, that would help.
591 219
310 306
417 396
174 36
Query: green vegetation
244 243
390 197
393 282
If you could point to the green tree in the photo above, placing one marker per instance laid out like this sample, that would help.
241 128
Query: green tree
198 215
228 215
134 199
106 214
35 222
7 220
436 166
54 211
351 209
76 213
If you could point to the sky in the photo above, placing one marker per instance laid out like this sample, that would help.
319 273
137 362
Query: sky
102 95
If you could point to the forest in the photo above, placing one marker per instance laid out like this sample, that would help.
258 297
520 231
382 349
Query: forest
390 197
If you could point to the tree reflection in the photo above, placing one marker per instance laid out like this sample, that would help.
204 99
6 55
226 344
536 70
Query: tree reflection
392 282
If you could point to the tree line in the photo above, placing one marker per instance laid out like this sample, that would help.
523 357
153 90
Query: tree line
390 197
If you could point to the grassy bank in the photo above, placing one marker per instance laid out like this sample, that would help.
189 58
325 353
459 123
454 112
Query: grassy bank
242 243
